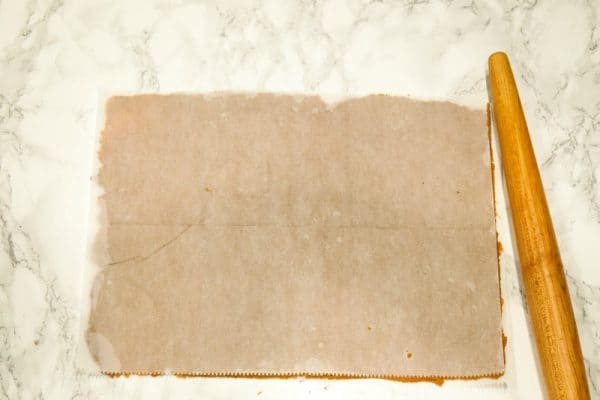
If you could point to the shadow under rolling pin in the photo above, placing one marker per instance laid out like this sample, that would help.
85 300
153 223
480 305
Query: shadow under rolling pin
548 300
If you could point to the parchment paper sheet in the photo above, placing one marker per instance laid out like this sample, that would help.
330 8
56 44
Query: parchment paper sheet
272 234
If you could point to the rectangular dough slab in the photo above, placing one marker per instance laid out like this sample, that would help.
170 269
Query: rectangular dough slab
271 234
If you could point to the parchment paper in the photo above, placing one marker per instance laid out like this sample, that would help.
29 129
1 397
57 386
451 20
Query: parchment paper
270 234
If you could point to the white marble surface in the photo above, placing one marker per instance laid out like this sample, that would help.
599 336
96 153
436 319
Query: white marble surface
56 56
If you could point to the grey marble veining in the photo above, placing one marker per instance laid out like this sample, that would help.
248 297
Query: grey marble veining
57 56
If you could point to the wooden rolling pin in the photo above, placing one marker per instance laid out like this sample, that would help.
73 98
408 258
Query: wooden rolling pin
546 289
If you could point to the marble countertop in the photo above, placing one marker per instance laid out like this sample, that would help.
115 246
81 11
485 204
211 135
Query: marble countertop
57 56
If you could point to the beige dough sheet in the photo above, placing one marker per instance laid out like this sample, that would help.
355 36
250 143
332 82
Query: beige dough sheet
279 235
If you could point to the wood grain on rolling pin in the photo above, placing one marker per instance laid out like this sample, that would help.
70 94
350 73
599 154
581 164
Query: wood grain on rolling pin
543 275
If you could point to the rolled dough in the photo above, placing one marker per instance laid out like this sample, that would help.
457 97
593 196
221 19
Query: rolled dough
271 234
